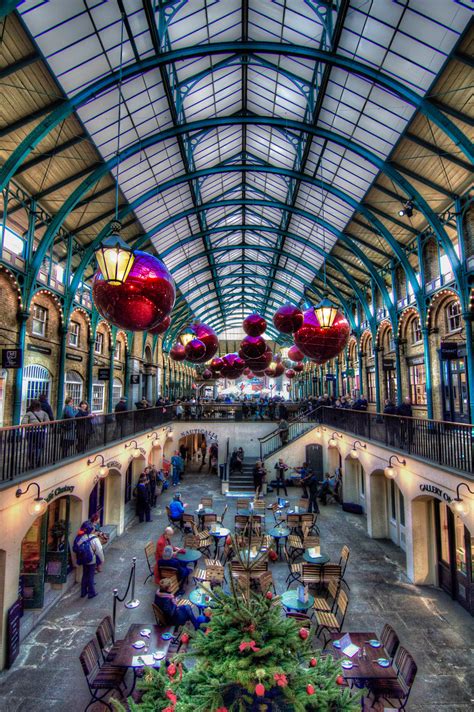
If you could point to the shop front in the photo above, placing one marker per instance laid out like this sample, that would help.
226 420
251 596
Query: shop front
455 398
455 551
46 553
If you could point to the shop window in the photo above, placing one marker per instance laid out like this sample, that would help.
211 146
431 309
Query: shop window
98 397
73 386
393 502
461 551
3 390
74 333
371 386
444 533
99 343
13 243
36 380
40 318
369 349
417 380
118 351
117 389
453 316
401 504
415 330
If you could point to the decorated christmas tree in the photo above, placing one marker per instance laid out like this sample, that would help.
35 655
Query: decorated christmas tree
250 657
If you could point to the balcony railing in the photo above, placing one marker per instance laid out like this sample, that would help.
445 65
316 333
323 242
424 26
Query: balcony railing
439 442
25 448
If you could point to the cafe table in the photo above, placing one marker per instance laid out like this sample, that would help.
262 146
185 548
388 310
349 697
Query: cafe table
291 601
315 559
129 657
278 533
200 597
190 556
218 533
201 513
252 512
366 668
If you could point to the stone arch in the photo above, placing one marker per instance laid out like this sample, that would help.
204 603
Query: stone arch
114 499
155 456
404 325
366 343
376 497
333 459
354 482
79 314
440 300
382 338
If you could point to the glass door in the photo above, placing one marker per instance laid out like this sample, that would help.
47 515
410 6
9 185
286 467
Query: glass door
390 376
58 559
455 554
32 564
454 385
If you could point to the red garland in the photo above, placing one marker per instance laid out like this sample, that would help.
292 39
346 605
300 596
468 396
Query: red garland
248 645
171 696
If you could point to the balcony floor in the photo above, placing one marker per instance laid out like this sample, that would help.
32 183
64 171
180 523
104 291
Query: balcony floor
437 631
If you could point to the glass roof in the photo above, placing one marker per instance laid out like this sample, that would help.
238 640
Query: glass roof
243 211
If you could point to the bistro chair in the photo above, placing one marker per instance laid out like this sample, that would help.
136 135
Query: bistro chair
206 502
328 602
205 541
242 504
105 635
328 622
159 616
293 521
150 559
330 572
294 546
208 519
310 574
170 573
220 517
389 640
241 522
278 515
303 504
397 689
101 679
308 519
302 620
344 558
191 541
259 506
187 521
264 582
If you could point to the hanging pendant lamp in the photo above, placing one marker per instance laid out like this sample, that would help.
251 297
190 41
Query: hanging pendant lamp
325 312
114 257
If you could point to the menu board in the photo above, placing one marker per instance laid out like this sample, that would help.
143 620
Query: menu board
13 632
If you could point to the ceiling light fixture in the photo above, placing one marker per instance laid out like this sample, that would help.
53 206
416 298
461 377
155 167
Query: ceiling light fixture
407 209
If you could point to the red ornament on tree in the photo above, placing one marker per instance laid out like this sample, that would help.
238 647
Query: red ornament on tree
269 595
340 680
290 373
171 670
272 555
303 633
254 324
195 350
161 327
294 354
252 347
141 302
322 344
177 352
310 689
313 662
298 367
280 679
185 638
288 318
259 689
171 696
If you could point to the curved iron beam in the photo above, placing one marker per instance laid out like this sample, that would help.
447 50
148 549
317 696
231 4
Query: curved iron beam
239 48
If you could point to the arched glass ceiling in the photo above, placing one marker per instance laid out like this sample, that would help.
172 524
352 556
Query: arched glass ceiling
246 252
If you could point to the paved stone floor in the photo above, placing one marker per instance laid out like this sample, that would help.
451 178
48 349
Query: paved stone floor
439 633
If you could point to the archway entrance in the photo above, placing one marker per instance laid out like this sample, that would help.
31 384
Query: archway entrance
454 555
354 483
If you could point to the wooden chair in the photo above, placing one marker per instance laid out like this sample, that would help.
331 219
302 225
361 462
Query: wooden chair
220 517
208 519
310 574
101 679
242 504
345 553
302 620
389 640
259 506
264 582
294 546
308 520
171 574
330 572
205 541
278 515
207 502
293 521
328 622
303 504
397 689
328 602
159 616
188 521
150 559
105 635
191 541
241 522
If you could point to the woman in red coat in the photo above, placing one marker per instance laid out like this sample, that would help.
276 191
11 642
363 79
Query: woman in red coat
164 540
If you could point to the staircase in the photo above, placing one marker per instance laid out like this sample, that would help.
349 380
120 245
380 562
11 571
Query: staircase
242 481
271 443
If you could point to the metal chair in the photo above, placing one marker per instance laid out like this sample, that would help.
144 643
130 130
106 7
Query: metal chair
150 559
344 558
328 622
328 602
330 572
207 502
101 679
242 504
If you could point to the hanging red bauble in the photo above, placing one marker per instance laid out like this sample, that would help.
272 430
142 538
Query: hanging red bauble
161 327
270 372
340 680
303 633
141 302
216 364
208 337
260 363
288 318
313 662
322 344
252 347
177 352
233 366
195 350
290 373
294 354
279 369
207 374
254 324
310 689
298 367
259 689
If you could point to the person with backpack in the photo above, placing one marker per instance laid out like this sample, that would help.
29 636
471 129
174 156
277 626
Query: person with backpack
89 555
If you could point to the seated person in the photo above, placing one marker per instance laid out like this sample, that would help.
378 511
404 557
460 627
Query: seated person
169 561
163 541
174 614
176 508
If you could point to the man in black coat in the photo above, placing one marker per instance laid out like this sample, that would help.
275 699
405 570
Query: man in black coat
311 483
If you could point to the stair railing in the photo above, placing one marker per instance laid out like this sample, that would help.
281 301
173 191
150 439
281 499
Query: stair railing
296 427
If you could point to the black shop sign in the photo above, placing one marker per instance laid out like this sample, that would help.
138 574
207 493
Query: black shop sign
135 379
14 614
330 376
12 358
449 349
103 374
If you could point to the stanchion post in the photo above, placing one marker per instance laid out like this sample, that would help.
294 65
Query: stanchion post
133 602
114 614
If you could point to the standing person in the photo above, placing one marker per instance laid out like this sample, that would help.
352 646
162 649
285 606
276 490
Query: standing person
303 471
35 436
84 427
152 485
406 426
120 416
390 422
178 466
312 484
182 451
179 410
43 399
89 555
281 468
258 477
203 448
282 411
68 430
284 430
143 499
213 452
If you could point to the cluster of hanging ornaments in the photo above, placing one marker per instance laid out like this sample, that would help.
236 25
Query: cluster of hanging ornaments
198 343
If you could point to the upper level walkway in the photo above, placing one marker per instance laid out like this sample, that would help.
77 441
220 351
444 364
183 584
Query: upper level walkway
25 449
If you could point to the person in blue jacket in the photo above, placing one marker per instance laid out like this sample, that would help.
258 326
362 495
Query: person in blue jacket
174 614
176 508
178 466
169 561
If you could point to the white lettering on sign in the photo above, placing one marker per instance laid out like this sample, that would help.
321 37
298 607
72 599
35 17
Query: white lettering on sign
58 492
432 489
200 431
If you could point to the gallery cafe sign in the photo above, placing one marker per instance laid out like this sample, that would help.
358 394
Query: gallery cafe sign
59 492
432 489
199 431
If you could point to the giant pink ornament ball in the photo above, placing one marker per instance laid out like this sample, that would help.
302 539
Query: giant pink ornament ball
290 373
233 366
294 354
208 336
320 344
161 327
142 302
298 367
288 318
195 350
177 352
252 347
254 324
